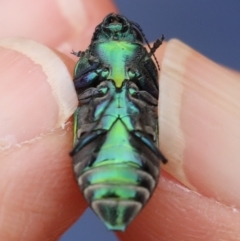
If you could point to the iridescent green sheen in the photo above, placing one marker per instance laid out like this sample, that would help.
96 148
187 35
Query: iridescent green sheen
115 158
112 53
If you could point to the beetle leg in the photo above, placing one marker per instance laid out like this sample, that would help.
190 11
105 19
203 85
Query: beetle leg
86 140
148 142
86 77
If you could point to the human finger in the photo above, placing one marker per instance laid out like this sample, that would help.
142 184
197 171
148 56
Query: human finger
39 198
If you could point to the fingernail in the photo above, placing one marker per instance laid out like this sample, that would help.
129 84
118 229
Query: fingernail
200 123
36 91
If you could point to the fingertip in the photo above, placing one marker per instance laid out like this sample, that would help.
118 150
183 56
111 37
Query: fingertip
199 112
37 182
83 25
37 93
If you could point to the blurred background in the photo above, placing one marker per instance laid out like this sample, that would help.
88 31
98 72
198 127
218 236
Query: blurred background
212 27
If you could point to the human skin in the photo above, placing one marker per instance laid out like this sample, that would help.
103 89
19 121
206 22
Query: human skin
198 193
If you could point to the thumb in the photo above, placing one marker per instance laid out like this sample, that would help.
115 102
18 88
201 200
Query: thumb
38 196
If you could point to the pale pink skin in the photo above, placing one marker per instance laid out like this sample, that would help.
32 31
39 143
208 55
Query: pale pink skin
198 195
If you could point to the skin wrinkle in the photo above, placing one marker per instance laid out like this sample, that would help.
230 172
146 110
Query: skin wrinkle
66 126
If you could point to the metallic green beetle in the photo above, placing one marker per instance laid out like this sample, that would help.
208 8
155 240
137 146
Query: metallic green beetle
115 157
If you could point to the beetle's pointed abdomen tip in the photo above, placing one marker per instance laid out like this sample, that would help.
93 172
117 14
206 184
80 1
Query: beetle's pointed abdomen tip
118 228
116 214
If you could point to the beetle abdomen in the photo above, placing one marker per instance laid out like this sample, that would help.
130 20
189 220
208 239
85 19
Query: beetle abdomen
117 181
116 192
